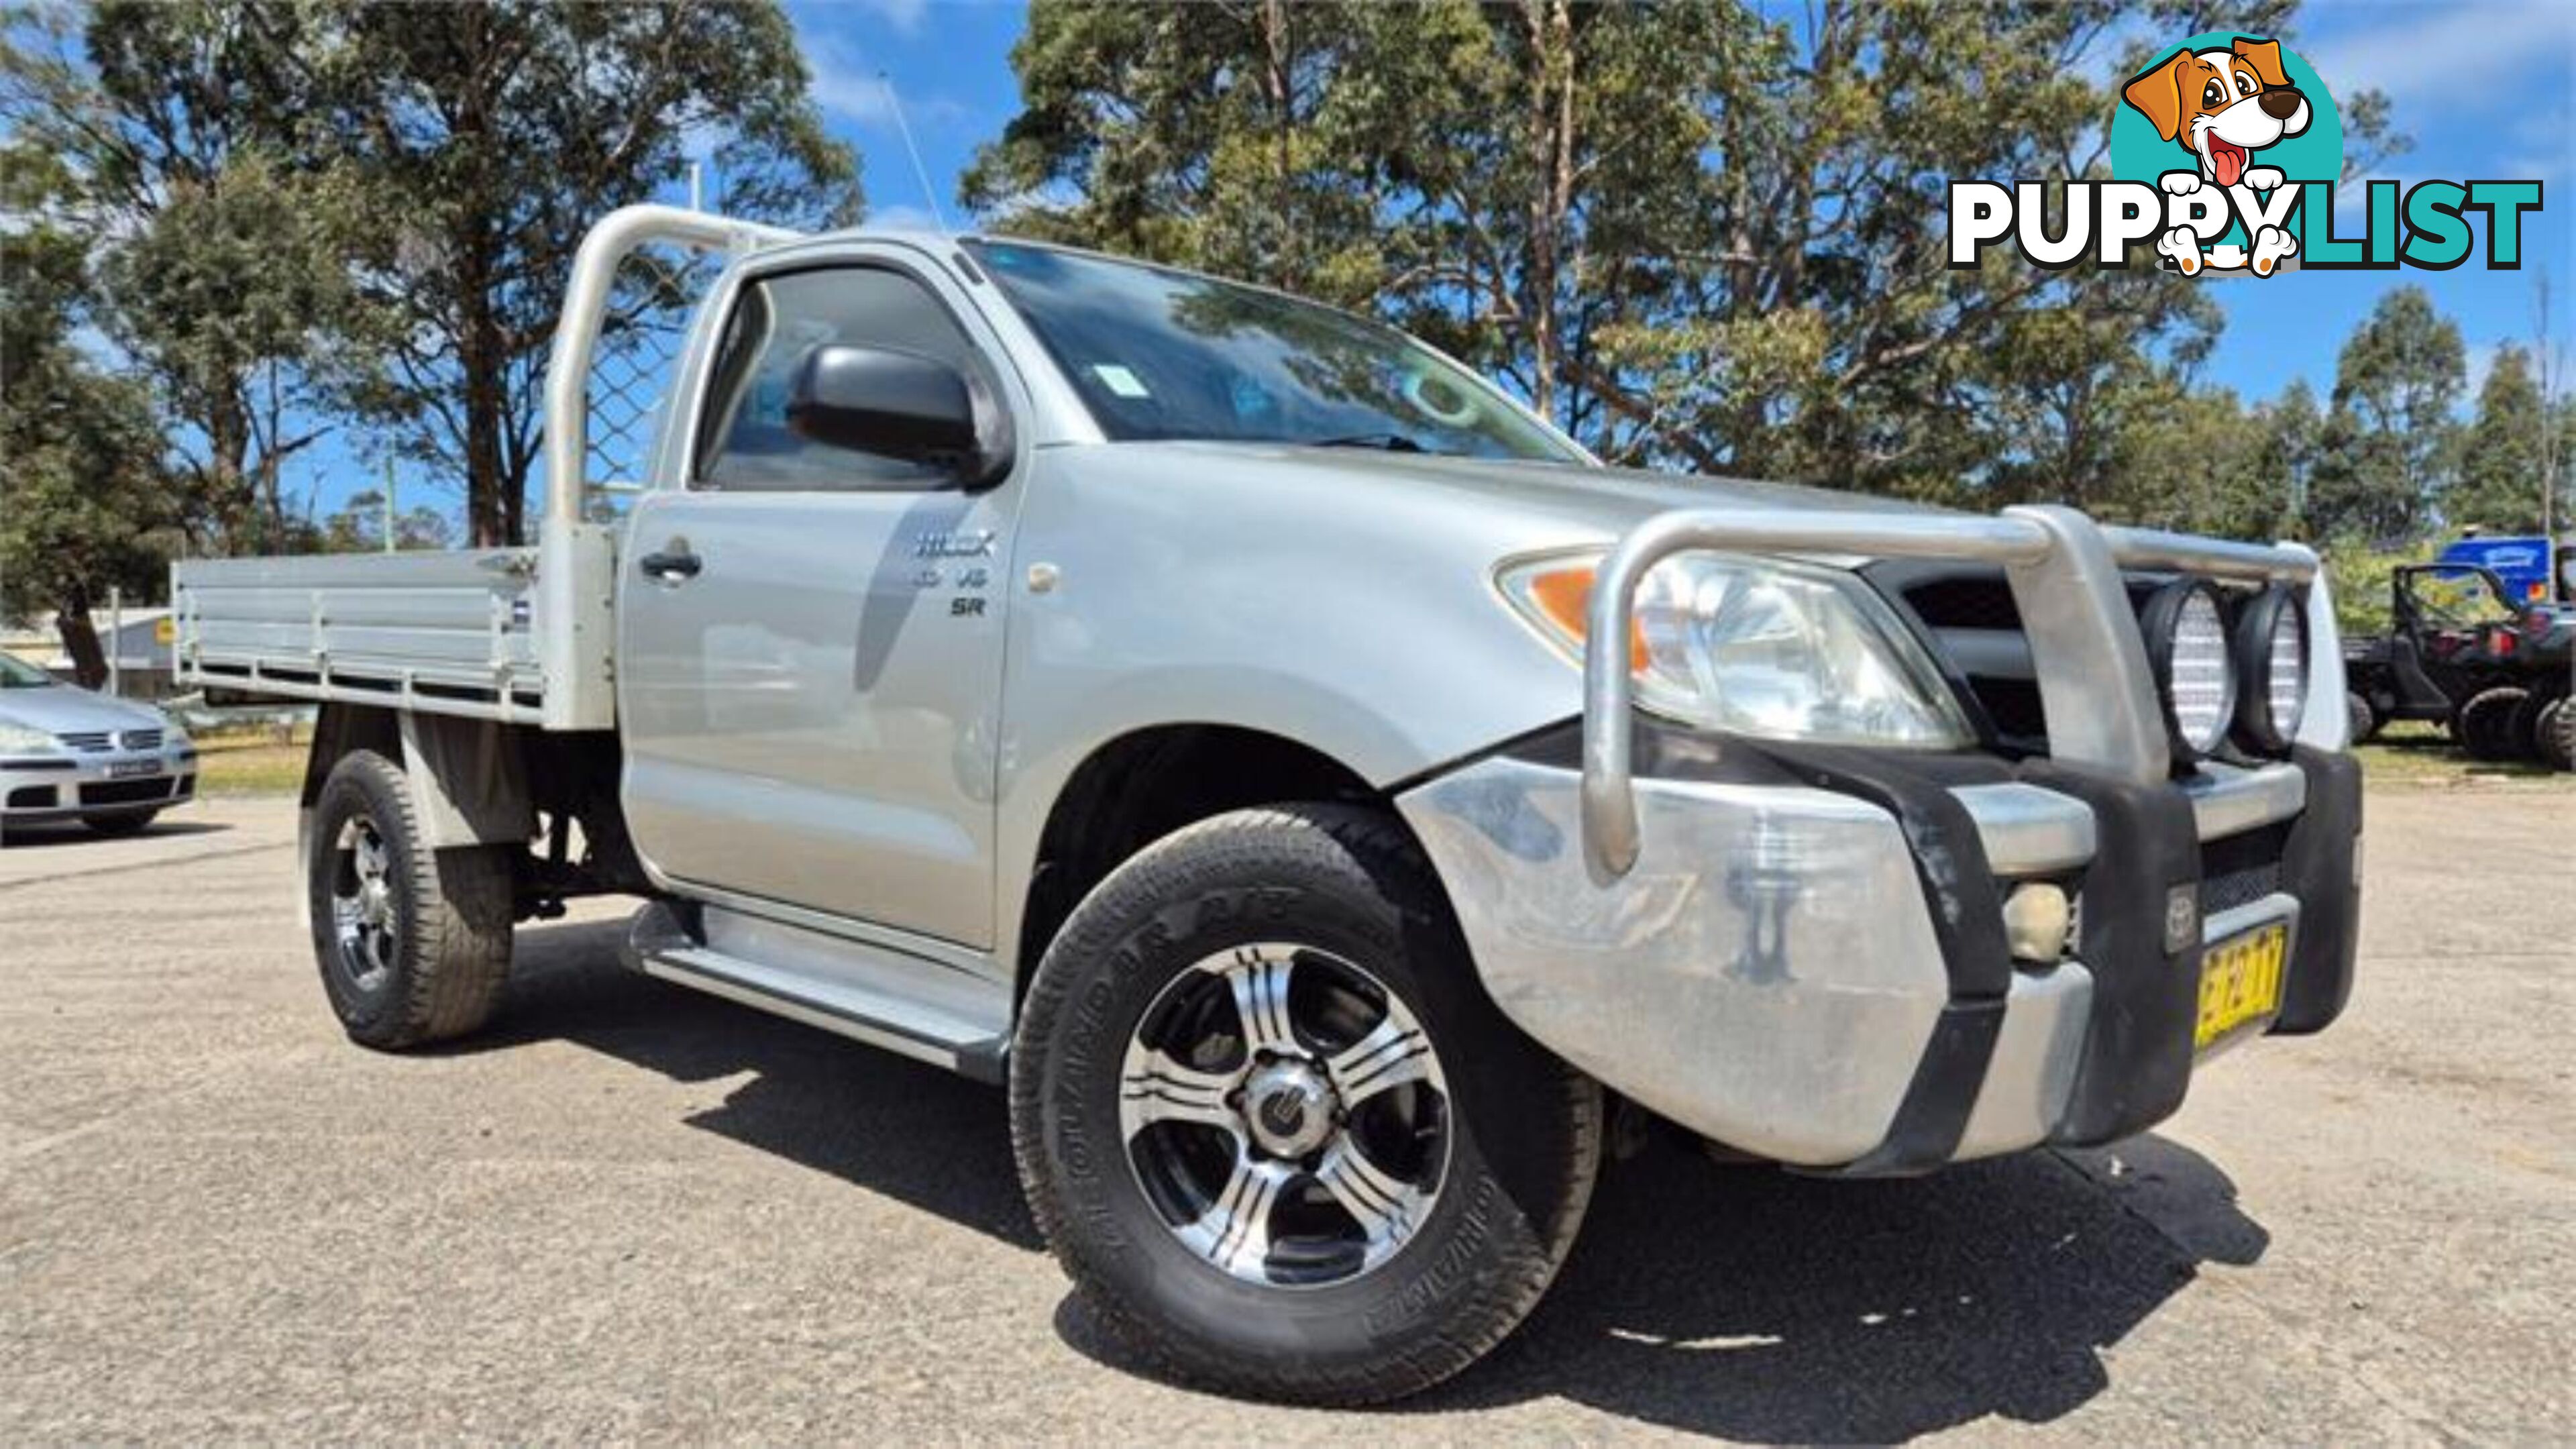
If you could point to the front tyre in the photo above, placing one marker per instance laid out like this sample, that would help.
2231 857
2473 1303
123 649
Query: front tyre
413 943
1272 1127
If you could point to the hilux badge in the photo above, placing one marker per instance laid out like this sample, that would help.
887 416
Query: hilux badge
966 543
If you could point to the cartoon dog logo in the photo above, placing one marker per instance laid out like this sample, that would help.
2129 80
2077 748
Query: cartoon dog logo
2222 106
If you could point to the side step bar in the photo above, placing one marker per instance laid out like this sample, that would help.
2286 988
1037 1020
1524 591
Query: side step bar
660 945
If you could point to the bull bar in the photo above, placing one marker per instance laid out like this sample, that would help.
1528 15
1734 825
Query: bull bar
2096 689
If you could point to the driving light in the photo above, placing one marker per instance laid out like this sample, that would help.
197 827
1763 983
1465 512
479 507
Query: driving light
2186 636
18 739
1775 650
2037 920
2272 660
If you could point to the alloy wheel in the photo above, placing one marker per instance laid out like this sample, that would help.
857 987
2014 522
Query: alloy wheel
1285 1114
362 903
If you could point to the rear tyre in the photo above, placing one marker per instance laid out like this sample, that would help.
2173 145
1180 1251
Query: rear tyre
2554 733
2523 731
116 827
2365 720
1271 1125
2486 723
413 943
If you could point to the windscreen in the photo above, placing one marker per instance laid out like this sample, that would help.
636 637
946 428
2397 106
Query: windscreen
1160 354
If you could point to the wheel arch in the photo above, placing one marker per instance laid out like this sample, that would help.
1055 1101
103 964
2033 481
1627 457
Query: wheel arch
468 777
1141 786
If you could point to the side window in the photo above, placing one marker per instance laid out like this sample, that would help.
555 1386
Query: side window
743 439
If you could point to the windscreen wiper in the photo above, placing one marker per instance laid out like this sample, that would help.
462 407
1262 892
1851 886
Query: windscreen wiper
1384 442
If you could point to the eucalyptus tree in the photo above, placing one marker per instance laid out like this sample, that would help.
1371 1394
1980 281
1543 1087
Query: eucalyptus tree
493 134
1705 234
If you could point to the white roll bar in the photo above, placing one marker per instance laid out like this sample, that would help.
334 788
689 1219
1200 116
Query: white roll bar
594 273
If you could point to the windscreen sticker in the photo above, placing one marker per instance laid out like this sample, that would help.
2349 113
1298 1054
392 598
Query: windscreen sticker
1119 380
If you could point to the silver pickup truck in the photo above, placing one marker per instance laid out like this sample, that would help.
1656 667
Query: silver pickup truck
1314 785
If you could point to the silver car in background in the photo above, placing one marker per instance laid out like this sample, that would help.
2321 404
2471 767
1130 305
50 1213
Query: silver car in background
67 754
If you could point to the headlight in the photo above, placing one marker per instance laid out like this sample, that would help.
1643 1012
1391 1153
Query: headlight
1768 649
18 739
2187 647
2272 659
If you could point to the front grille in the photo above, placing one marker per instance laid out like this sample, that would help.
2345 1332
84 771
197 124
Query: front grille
125 792
2013 704
1972 625
142 739
2238 870
86 741
1965 601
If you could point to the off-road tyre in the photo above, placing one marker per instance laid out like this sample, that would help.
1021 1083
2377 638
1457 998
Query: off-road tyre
448 945
2486 723
2523 730
2364 720
2554 735
117 827
1525 1129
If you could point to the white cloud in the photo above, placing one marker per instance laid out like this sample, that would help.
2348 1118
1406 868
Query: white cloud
845 87
2352 198
901 217
2466 57
904 15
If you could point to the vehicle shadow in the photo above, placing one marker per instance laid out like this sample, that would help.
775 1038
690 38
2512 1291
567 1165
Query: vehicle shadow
1757 1304
923 1136
1742 1302
72 832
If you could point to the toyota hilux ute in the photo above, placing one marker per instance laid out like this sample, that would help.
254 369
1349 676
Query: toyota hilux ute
1311 782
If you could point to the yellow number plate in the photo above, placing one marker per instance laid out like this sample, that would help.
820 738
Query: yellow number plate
2240 981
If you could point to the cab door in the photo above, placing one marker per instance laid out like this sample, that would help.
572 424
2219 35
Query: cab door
810 636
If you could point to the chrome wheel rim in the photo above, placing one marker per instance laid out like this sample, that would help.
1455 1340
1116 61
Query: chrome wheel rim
1285 1115
362 903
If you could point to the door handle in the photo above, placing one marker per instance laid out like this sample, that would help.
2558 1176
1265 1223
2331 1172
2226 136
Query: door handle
672 564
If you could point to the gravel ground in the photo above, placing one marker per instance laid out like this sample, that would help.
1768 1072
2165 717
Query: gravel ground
630 1212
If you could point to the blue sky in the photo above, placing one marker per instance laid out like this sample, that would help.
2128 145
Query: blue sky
2487 90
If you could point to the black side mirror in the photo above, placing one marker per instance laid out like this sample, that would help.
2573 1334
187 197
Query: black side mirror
903 405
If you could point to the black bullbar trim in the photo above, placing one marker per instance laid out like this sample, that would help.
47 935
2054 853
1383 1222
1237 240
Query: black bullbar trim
2137 1055
2317 867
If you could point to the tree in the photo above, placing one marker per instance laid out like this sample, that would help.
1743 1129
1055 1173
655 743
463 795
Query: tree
2197 462
359 526
495 134
2502 477
183 132
2390 442
1691 233
2294 441
83 494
